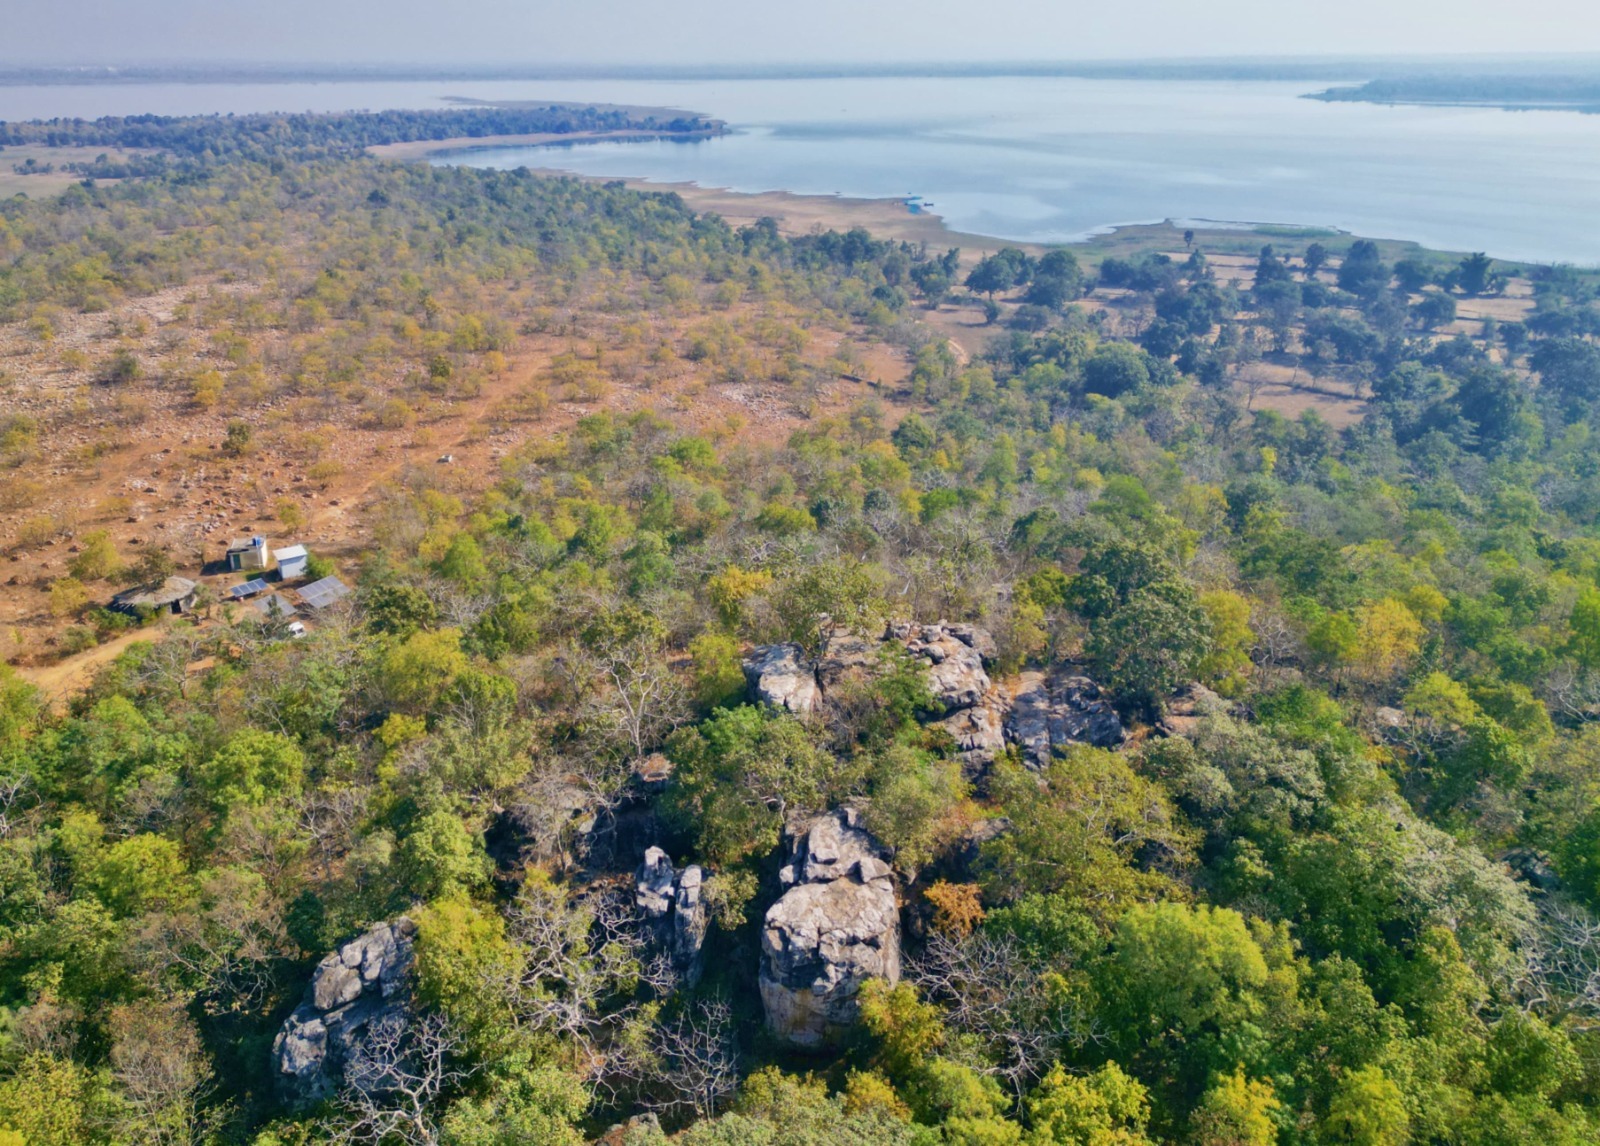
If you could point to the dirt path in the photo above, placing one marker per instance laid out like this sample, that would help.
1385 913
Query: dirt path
65 679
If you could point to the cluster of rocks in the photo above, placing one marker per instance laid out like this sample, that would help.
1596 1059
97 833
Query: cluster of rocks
360 986
674 909
836 926
1041 713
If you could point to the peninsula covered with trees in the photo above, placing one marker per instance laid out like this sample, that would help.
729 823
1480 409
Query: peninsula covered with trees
804 721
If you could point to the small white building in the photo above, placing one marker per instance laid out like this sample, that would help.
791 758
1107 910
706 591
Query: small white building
247 554
291 562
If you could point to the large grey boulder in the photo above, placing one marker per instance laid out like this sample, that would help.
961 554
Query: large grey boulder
837 926
782 676
674 908
1052 711
366 983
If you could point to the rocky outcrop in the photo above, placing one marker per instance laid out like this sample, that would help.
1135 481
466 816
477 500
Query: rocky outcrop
365 982
1050 712
1188 707
955 664
979 731
1043 713
1534 868
837 926
780 675
846 658
674 909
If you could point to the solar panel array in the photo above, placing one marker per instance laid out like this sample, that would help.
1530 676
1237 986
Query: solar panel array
276 605
248 589
321 594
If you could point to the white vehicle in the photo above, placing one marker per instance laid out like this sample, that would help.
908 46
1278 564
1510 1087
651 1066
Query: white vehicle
296 629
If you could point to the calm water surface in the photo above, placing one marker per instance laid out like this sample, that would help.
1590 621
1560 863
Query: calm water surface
1043 159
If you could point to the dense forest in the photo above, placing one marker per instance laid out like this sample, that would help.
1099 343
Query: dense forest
188 141
1053 749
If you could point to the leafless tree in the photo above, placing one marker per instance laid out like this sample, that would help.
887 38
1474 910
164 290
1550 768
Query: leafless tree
991 989
1278 641
162 1073
329 818
641 700
227 950
457 607
1562 974
577 953
567 799
392 1087
165 669
1573 692
13 790
692 1062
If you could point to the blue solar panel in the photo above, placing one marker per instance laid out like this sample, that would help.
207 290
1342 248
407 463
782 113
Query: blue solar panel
248 589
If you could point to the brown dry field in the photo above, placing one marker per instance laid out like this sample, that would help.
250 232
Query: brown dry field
143 462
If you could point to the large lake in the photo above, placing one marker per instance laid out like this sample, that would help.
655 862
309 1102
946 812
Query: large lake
1041 159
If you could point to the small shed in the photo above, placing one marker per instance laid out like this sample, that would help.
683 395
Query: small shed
175 594
321 594
249 553
248 589
291 562
275 608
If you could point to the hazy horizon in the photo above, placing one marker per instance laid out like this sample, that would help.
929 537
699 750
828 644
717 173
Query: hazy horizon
720 33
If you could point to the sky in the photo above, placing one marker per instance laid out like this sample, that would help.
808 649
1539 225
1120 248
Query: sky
723 32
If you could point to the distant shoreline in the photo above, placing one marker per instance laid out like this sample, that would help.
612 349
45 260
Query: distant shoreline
1576 93
437 148
891 218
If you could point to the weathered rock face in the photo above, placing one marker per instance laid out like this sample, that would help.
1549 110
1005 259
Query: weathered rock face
954 660
837 926
1188 707
1534 868
780 675
846 658
364 982
671 904
1050 712
978 731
